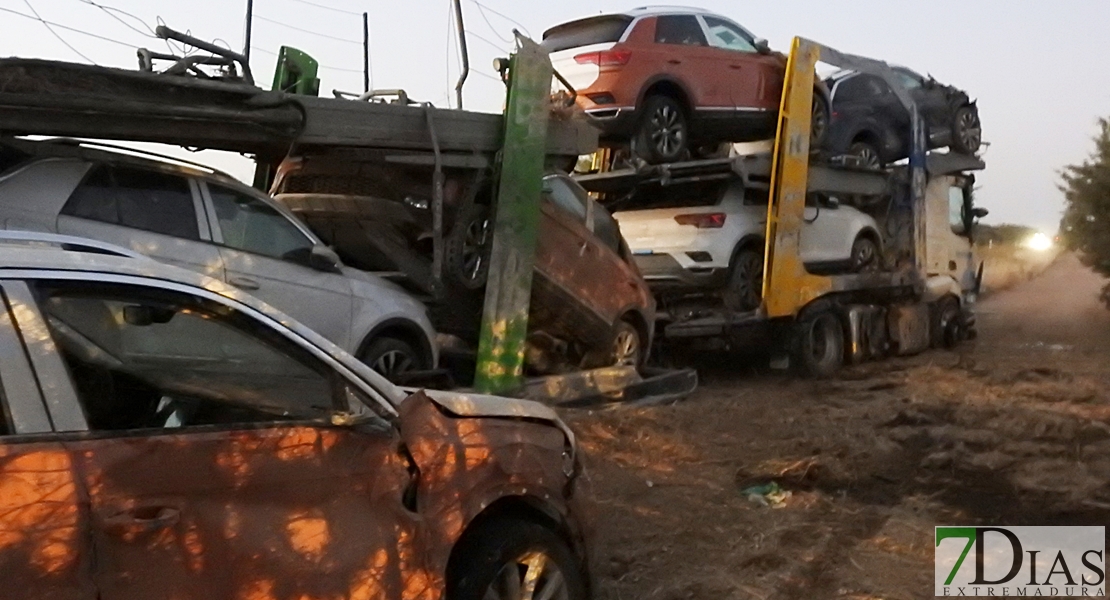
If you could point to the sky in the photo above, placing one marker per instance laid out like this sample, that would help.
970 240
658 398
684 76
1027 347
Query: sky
1037 68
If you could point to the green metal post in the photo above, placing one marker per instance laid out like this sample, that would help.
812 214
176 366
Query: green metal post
516 224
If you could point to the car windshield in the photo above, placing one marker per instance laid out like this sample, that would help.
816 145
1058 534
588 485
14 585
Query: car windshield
585 32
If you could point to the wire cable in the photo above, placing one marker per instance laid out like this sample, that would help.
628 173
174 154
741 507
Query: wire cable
332 8
65 27
483 7
310 32
111 12
491 27
492 44
55 33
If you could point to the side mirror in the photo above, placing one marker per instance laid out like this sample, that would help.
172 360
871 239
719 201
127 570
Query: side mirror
318 257
832 202
324 259
762 46
979 212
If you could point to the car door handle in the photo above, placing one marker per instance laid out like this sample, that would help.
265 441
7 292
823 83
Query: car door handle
582 248
244 283
141 520
674 61
736 67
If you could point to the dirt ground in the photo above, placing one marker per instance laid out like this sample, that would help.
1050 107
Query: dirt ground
1012 429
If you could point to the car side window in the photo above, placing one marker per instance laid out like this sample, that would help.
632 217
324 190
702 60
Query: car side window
251 225
723 34
860 88
146 358
563 196
137 198
606 229
909 80
684 30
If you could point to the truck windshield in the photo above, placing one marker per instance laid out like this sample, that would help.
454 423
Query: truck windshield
585 32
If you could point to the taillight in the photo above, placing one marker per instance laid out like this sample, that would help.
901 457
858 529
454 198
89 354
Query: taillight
605 58
702 220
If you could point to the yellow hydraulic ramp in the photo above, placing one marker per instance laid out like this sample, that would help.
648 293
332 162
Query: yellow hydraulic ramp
787 286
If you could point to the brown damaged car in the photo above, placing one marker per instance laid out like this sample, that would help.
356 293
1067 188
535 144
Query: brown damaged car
166 436
590 305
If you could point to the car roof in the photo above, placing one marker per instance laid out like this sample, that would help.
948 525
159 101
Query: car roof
644 11
101 152
24 258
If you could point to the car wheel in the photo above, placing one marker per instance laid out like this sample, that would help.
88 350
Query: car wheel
819 123
512 559
865 254
664 134
865 155
967 132
392 358
628 346
819 344
745 282
467 247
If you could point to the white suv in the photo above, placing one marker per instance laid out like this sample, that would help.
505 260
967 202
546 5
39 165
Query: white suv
210 223
710 235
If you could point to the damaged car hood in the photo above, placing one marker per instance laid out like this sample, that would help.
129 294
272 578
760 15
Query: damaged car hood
482 406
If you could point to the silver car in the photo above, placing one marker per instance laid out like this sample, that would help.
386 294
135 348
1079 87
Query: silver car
211 223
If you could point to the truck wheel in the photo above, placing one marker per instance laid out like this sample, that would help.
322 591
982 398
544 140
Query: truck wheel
745 281
819 344
513 559
467 247
946 329
663 135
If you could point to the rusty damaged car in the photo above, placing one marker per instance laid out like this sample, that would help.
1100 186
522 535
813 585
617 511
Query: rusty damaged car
590 306
164 435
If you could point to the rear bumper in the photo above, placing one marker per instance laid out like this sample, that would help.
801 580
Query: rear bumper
613 120
662 272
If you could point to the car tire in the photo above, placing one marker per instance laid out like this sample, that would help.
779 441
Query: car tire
819 123
818 344
744 290
865 254
663 134
496 560
467 247
967 132
392 358
626 349
865 155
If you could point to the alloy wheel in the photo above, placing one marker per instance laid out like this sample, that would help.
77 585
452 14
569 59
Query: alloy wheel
474 243
864 254
668 132
626 347
393 363
866 156
533 576
969 132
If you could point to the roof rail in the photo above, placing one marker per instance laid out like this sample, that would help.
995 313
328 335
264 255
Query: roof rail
94 145
68 242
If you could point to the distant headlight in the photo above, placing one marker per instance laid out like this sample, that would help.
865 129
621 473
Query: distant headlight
1039 242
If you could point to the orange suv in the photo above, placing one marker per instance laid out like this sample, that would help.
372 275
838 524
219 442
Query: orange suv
673 82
